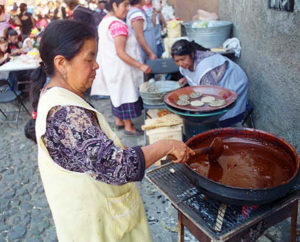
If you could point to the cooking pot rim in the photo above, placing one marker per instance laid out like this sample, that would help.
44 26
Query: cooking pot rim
239 130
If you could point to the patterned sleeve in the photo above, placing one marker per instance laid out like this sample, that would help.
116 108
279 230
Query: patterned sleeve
75 142
117 28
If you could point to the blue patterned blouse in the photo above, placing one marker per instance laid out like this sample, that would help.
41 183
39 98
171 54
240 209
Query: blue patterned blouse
75 142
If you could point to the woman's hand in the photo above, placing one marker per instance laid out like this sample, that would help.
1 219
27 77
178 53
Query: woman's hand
152 56
6 56
182 82
145 68
180 151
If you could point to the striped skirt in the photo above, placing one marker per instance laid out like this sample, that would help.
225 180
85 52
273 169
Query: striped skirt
128 110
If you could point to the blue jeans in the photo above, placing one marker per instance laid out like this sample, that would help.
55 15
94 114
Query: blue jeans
160 50
12 80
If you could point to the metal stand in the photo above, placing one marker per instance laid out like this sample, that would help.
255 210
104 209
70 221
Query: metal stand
251 230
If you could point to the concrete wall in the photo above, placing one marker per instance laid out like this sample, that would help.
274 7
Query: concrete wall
270 42
186 9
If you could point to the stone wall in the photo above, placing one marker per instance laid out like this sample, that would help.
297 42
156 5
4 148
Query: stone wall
186 9
270 42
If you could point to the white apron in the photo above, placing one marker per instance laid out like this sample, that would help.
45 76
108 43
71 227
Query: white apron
114 77
84 209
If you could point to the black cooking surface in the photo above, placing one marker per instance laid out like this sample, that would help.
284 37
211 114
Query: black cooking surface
202 210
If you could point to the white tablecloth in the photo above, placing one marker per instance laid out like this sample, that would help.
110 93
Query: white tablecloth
20 63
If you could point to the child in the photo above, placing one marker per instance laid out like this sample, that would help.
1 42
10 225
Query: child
13 43
29 42
4 55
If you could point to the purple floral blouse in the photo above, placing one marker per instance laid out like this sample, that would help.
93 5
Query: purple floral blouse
75 142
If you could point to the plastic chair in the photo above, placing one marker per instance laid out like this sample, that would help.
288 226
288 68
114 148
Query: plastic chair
7 95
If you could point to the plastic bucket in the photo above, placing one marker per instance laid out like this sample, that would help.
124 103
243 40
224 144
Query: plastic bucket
208 37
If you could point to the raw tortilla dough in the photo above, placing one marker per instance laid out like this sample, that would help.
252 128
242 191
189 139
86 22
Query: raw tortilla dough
217 103
208 99
197 103
183 102
195 94
184 97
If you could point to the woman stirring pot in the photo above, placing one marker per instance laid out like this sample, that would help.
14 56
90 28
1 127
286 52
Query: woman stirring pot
202 67
88 175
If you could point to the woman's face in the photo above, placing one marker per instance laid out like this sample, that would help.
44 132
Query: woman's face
184 61
81 70
148 2
121 10
3 47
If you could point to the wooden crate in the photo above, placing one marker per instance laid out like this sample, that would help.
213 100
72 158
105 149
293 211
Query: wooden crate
173 132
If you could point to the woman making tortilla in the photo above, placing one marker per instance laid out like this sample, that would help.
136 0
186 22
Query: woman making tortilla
202 67
88 175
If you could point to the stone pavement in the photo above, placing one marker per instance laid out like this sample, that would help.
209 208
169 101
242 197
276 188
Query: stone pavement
25 214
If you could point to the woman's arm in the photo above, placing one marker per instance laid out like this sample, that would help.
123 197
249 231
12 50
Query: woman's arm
32 21
139 33
154 17
120 44
162 19
4 58
158 150
76 143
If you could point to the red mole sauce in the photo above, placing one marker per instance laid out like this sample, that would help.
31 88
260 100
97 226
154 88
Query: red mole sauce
246 164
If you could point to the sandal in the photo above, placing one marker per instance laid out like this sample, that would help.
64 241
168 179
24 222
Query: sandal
134 133
119 127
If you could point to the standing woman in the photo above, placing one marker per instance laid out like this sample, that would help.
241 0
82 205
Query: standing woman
142 27
4 21
26 21
118 50
88 175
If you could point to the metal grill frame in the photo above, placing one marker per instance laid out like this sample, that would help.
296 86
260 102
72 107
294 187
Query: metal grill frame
180 191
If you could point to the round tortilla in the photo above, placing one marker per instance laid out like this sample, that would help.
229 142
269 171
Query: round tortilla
197 103
183 102
208 99
184 97
195 94
217 103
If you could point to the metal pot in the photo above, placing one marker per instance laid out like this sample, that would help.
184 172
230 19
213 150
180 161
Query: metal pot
237 195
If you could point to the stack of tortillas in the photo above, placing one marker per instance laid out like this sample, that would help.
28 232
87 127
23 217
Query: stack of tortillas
165 121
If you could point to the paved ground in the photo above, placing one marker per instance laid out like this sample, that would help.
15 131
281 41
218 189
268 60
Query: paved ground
24 212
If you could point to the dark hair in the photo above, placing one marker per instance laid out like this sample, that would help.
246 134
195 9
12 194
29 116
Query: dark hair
133 2
185 47
110 3
71 3
23 7
11 32
2 9
61 37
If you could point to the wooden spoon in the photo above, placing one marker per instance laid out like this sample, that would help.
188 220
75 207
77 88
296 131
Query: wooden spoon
214 151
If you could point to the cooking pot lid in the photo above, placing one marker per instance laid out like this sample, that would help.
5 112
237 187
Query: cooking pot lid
229 97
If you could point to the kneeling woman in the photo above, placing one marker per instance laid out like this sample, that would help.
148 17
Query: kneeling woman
202 67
